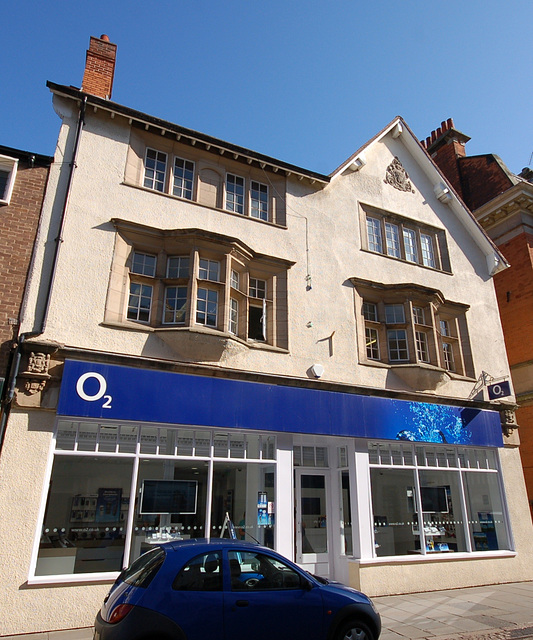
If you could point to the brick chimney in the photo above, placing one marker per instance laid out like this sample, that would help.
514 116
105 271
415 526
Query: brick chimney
445 145
99 67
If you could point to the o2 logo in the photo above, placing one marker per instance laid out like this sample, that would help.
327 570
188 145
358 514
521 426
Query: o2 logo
99 395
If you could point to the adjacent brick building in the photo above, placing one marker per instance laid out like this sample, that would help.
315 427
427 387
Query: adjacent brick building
503 203
23 178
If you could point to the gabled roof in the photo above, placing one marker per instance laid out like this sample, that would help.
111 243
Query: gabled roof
209 143
442 187
397 128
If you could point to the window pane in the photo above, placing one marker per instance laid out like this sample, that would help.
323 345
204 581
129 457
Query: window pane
392 235
144 264
372 344
236 486
178 267
370 311
183 178
209 270
449 362
394 314
155 167
409 242
175 305
428 256
251 570
233 316
203 573
206 307
234 193
373 229
346 515
422 352
397 341
257 288
235 279
140 302
443 522
259 200
419 315
171 504
393 504
84 524
485 512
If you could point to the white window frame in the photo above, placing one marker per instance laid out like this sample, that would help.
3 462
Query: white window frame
140 297
255 290
179 268
427 251
259 206
410 246
10 166
175 309
233 320
422 346
393 345
235 279
153 179
372 343
235 205
183 190
202 316
207 268
392 239
394 313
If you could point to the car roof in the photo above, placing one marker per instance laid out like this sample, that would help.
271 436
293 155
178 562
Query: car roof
205 544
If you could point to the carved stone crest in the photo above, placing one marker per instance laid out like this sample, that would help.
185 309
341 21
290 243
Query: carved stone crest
38 363
397 176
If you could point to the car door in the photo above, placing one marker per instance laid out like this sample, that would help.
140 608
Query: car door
195 601
265 598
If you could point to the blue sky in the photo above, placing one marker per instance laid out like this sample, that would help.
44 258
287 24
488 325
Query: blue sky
305 82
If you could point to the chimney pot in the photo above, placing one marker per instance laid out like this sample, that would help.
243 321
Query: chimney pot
104 37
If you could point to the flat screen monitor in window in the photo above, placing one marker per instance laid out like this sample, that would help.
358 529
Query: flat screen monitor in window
434 499
168 496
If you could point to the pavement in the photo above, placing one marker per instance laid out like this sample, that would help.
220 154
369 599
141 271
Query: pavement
495 612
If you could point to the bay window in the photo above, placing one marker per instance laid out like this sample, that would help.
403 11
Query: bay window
181 279
407 324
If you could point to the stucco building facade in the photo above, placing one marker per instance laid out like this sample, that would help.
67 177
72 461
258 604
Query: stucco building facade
220 333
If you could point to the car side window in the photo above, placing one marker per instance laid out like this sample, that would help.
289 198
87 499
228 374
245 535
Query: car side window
203 573
258 571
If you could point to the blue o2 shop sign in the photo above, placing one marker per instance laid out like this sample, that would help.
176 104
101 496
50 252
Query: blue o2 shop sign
111 392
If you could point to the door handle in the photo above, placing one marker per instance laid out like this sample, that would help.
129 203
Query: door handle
242 603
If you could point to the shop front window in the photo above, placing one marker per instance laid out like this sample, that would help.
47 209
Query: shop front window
454 507
118 489
485 512
170 502
245 495
84 527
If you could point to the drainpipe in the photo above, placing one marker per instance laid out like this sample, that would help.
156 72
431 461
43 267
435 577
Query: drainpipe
15 363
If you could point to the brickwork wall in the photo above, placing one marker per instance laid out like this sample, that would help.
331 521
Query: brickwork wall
18 228
514 291
524 418
482 179
446 160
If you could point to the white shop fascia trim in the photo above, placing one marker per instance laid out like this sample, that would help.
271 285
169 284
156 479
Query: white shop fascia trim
434 557
69 578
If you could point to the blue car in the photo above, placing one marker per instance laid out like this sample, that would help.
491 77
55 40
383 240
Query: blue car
228 589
